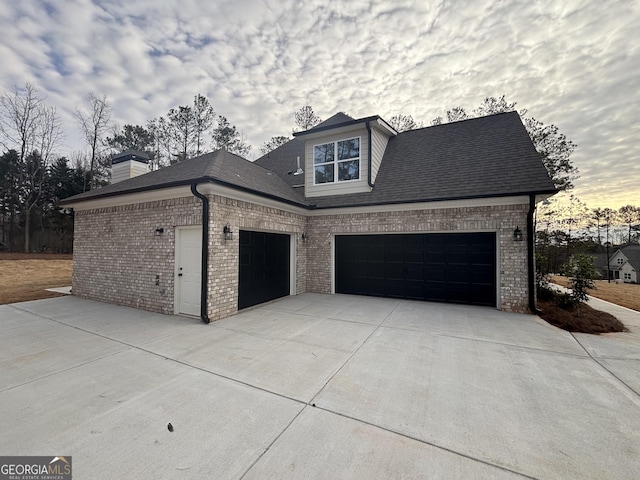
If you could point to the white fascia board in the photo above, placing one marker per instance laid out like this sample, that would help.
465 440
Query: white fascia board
181 192
404 207
543 197
243 196
131 198
232 193
330 132
381 125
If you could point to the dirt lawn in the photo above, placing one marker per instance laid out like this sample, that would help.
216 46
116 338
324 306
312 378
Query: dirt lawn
26 276
625 294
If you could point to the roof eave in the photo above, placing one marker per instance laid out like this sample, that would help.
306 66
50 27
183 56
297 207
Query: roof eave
437 199
311 131
199 180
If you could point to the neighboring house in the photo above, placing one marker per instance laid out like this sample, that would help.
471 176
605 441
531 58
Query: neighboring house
349 206
624 264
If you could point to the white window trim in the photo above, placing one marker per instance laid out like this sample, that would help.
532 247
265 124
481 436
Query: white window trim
335 161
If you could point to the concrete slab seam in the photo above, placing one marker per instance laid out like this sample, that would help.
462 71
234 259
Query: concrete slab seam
605 368
326 317
425 442
339 369
524 347
180 362
97 359
287 426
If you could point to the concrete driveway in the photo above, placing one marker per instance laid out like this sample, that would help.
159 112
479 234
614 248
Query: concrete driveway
318 386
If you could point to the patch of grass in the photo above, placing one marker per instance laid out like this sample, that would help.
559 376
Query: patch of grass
582 319
624 294
25 277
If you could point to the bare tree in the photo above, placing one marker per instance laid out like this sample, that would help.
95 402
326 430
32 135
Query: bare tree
94 123
227 137
402 123
203 118
273 143
596 217
306 118
181 130
629 215
28 124
32 128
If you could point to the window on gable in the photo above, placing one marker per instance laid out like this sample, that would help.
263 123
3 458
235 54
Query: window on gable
620 261
337 161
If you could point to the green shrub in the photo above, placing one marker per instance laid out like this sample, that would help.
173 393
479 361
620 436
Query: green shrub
545 292
565 301
581 272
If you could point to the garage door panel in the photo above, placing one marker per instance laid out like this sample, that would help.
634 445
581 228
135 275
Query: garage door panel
454 267
414 273
264 271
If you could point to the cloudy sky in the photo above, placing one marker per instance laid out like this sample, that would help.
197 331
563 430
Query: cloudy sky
573 63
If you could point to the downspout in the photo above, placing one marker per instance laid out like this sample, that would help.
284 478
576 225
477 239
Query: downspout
204 267
531 237
369 155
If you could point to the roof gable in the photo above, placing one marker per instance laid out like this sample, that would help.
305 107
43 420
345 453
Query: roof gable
632 253
480 157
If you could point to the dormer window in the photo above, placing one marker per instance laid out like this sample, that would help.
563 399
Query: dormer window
342 156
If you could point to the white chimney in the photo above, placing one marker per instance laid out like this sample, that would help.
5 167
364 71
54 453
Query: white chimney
128 164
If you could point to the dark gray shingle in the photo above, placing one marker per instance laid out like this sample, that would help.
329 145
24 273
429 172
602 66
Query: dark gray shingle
482 157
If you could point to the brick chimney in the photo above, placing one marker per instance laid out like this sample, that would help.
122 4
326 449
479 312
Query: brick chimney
128 164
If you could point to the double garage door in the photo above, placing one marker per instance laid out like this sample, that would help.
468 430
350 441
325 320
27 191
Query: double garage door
441 267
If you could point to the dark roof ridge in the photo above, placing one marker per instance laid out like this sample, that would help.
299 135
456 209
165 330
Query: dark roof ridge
355 121
458 121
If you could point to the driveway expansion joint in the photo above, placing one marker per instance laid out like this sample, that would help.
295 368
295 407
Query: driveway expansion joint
637 394
426 442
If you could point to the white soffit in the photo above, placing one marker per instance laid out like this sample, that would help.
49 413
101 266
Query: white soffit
214 189
404 207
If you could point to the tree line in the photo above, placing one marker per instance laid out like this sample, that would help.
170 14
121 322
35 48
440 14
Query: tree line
568 227
33 178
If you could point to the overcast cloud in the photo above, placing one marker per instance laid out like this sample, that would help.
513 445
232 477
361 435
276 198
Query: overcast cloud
572 63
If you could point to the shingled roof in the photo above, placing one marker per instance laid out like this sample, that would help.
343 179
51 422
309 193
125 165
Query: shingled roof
283 159
219 167
482 157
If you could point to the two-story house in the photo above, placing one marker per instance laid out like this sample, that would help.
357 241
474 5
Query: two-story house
625 263
443 213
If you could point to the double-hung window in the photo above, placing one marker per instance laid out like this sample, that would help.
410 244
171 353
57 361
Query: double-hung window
337 161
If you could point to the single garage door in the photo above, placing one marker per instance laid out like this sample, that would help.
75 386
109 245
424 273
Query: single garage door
440 267
264 267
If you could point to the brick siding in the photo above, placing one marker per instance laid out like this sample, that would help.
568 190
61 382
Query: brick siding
512 256
118 259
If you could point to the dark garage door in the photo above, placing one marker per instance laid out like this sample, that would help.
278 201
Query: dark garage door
264 267
440 267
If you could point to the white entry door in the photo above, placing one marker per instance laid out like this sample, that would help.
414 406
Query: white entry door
188 270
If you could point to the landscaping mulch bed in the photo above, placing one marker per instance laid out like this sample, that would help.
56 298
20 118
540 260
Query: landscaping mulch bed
582 319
